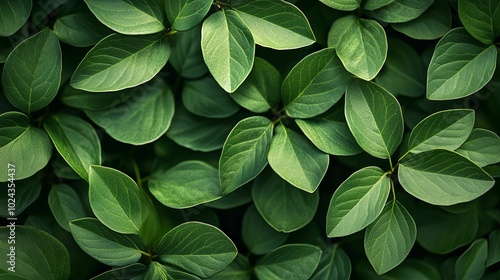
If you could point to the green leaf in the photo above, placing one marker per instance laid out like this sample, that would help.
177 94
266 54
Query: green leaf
291 262
134 271
186 14
26 147
244 154
140 119
186 57
132 17
27 192
14 14
65 205
343 5
116 200
275 24
334 264
103 244
371 5
296 159
472 263
283 207
374 117
185 185
228 48
414 269
80 30
260 92
90 101
198 248
38 255
443 177
404 72
446 129
357 202
76 140
482 147
120 61
32 72
316 83
430 25
389 239
240 196
329 133
460 66
361 45
401 10
493 248
267 238
481 19
158 271
239 269
204 97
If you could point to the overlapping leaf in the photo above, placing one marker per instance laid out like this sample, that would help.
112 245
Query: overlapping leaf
65 205
186 14
481 19
482 147
14 14
401 10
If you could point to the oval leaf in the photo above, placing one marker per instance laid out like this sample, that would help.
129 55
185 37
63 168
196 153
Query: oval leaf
334 264
371 5
186 57
14 14
80 30
158 271
401 10
443 177
32 73
65 205
27 191
239 269
268 238
482 147
472 263
120 61
186 14
343 5
135 271
481 19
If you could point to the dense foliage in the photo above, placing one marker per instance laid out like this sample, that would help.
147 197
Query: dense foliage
250 139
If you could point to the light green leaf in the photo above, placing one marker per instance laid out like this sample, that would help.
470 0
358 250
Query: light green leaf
357 202
443 177
482 147
374 117
472 263
316 83
116 200
65 205
26 147
186 57
185 185
481 19
239 269
446 129
296 159
493 248
267 238
198 248
244 154
260 92
334 264
460 66
275 24
32 73
132 17
38 255
361 45
343 5
389 239
291 262
135 271
371 5
140 119
430 25
158 271
186 14
103 244
80 30
228 48
120 61
27 192
204 97
14 14
76 140
329 133
283 207
401 10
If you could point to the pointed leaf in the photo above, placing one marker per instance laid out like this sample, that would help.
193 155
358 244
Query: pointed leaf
133 17
343 5
296 159
275 24
244 154
366 59
186 57
158 271
443 177
334 264
32 73
316 83
120 61
14 14
374 117
401 10
460 66
472 263
228 48
481 19
493 248
80 30
198 248
186 14
357 202
65 205
76 140
482 147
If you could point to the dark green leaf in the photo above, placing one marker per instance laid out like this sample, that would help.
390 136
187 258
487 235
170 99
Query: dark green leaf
481 19
239 269
371 5
493 248
158 271
186 57
186 14
27 191
234 199
472 263
65 205
343 5
92 101
401 10
267 238
414 269
482 147
13 16
334 265
134 271
80 30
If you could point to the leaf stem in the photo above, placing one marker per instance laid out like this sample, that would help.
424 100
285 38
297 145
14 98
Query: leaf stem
137 173
393 190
